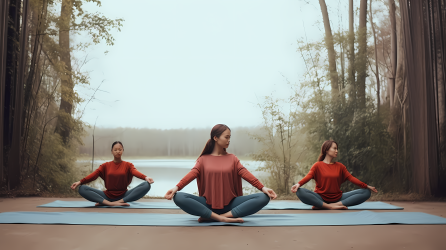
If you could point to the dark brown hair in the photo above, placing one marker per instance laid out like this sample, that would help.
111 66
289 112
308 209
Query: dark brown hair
117 142
325 147
217 130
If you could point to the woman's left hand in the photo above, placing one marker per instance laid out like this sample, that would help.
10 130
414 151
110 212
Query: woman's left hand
269 192
74 185
372 188
149 180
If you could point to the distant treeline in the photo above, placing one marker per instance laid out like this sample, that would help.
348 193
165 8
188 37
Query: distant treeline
169 142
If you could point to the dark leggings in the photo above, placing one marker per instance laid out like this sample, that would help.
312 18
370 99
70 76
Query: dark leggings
348 199
240 206
96 195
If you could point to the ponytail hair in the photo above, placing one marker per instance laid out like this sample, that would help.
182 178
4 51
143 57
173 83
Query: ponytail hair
217 130
325 147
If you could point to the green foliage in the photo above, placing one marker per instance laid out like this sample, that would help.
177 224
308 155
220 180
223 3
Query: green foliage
57 165
282 143
49 162
96 25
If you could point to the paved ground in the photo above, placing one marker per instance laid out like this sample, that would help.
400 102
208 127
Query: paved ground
48 237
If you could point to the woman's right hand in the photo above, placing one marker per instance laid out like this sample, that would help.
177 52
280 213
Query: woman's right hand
372 189
169 195
295 187
74 185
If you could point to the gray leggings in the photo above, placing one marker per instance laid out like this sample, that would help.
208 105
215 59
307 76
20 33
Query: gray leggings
96 195
351 198
240 206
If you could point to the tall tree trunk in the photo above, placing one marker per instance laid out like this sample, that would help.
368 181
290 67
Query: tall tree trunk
422 97
440 52
36 49
394 99
36 69
398 123
15 153
393 54
4 7
331 52
361 64
351 55
342 87
11 87
63 126
441 69
376 60
436 16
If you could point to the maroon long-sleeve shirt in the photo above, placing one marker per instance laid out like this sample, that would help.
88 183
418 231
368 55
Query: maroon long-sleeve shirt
116 176
219 179
329 178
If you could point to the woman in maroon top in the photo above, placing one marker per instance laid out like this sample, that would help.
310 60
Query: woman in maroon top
329 176
219 184
117 175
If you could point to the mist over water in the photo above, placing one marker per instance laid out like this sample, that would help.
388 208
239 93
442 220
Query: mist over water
181 143
168 172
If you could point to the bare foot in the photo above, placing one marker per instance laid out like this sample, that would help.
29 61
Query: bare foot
222 218
228 215
123 204
119 204
338 207
233 220
334 206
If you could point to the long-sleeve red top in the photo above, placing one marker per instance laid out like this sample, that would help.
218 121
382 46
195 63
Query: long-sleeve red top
219 179
329 178
116 176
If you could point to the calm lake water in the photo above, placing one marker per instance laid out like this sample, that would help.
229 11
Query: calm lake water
167 173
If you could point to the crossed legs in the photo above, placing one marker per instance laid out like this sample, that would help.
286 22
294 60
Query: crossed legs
100 198
239 207
355 197
348 199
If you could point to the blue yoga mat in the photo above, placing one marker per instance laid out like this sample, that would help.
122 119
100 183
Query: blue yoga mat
186 220
274 205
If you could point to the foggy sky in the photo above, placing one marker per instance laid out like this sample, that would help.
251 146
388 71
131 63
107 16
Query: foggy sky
193 64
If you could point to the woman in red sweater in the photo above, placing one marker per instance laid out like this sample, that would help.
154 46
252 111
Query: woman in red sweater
117 175
329 176
219 184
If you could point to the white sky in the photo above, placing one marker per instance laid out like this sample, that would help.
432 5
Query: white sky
193 64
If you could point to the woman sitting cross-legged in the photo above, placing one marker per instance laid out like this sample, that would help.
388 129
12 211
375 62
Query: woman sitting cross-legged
329 176
219 184
117 175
